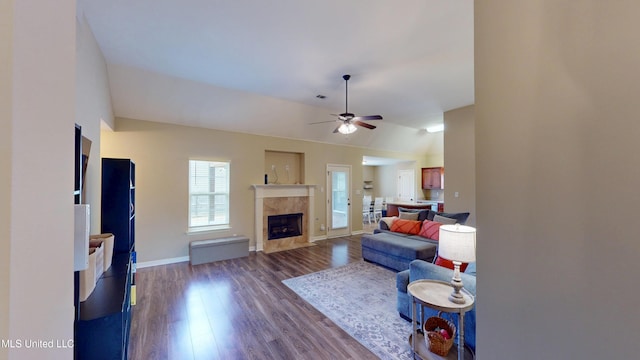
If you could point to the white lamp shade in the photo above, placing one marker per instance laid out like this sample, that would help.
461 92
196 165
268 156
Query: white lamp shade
347 128
457 243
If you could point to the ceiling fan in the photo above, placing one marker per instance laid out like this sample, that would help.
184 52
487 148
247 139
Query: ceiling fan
349 120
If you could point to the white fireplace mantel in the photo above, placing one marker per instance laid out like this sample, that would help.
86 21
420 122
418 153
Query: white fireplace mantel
275 191
285 190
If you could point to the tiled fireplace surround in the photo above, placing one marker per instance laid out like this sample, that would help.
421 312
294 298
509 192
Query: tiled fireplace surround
279 200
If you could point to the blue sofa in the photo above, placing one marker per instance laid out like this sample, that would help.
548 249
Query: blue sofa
396 250
418 270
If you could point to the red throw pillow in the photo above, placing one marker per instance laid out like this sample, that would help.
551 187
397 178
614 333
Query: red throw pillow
449 264
411 227
430 230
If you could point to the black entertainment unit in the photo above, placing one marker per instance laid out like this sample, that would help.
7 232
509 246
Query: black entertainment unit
104 323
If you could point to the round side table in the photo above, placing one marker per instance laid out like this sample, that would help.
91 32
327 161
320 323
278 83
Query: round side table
435 294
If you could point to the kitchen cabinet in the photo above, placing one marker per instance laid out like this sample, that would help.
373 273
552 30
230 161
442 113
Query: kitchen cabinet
433 178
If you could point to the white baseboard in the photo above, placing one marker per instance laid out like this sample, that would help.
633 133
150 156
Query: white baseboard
357 232
318 238
145 264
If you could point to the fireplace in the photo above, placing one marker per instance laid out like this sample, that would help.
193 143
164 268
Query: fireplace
273 200
284 226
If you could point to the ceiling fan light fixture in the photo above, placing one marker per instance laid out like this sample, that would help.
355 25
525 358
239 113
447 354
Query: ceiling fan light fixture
347 128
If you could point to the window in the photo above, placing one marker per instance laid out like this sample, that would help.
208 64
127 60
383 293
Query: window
208 195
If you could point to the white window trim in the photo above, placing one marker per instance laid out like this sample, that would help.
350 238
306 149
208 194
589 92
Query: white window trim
205 229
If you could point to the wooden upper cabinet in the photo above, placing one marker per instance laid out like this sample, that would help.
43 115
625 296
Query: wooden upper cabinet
433 178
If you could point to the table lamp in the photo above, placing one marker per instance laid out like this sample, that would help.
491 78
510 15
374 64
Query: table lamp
458 244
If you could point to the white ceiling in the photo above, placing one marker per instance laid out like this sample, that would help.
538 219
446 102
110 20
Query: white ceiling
257 66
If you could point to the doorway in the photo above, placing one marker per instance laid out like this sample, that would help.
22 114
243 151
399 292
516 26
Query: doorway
338 200
406 185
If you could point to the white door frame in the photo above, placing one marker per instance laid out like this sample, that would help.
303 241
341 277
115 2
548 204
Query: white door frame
341 231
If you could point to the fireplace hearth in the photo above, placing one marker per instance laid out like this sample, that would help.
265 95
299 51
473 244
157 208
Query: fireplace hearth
284 226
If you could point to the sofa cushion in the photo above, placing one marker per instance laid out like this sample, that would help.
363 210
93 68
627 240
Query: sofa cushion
430 230
406 236
406 226
408 215
444 220
471 269
440 261
399 246
388 231
461 217
422 213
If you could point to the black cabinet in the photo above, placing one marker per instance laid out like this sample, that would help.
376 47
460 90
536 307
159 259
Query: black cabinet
77 184
105 317
104 323
118 202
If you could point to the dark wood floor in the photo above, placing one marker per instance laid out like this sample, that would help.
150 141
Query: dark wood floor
239 309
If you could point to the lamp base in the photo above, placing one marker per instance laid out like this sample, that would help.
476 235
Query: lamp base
456 296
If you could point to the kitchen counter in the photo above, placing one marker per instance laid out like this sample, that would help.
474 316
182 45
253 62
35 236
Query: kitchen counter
392 207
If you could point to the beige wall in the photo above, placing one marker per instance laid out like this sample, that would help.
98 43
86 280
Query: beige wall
385 177
557 179
161 153
38 75
6 162
369 175
386 180
460 162
93 106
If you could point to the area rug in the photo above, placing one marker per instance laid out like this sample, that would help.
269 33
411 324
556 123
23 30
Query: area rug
361 299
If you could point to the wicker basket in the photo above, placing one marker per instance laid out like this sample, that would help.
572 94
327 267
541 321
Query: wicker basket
435 341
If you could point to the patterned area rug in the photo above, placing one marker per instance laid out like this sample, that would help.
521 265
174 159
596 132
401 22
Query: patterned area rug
360 298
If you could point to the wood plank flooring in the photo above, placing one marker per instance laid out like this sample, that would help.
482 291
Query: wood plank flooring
239 309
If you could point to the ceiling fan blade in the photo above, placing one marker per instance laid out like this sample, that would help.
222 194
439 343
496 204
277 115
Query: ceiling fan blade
322 122
363 124
368 117
336 130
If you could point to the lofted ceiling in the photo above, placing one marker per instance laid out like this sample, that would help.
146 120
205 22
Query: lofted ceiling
257 66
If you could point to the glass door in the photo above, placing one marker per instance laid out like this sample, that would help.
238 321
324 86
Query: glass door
338 200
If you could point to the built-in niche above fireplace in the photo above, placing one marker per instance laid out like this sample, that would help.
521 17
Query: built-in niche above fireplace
283 168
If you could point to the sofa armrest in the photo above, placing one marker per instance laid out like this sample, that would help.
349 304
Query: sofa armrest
402 280
385 222
383 225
